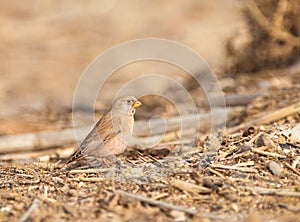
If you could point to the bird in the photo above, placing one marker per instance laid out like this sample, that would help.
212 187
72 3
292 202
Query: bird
110 135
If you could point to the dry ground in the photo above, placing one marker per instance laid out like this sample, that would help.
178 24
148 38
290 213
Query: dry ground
253 174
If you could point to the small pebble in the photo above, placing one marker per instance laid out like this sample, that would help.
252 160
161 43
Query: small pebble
212 143
58 180
275 168
178 215
295 134
235 207
267 140
72 192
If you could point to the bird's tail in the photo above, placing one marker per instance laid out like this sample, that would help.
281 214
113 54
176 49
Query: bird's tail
77 155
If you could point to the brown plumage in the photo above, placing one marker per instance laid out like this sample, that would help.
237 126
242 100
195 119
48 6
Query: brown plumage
111 133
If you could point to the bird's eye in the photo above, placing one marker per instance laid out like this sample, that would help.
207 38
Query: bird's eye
128 101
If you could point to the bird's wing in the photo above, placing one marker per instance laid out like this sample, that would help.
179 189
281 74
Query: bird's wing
94 142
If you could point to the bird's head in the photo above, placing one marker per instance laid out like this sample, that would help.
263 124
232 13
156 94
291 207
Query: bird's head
126 105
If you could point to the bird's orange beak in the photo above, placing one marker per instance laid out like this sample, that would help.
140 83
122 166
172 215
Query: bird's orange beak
136 104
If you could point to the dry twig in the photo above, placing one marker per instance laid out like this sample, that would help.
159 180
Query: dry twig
275 32
265 153
91 179
293 169
91 170
216 172
268 117
27 214
192 188
157 202
231 100
242 169
267 191
51 139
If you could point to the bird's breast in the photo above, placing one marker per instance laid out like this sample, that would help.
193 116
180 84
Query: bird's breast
130 122
116 145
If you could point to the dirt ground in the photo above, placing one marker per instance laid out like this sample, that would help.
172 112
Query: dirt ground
253 176
249 171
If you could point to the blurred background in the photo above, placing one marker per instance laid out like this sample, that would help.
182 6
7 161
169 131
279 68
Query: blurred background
46 45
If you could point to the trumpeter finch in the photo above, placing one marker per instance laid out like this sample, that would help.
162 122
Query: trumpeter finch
111 133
